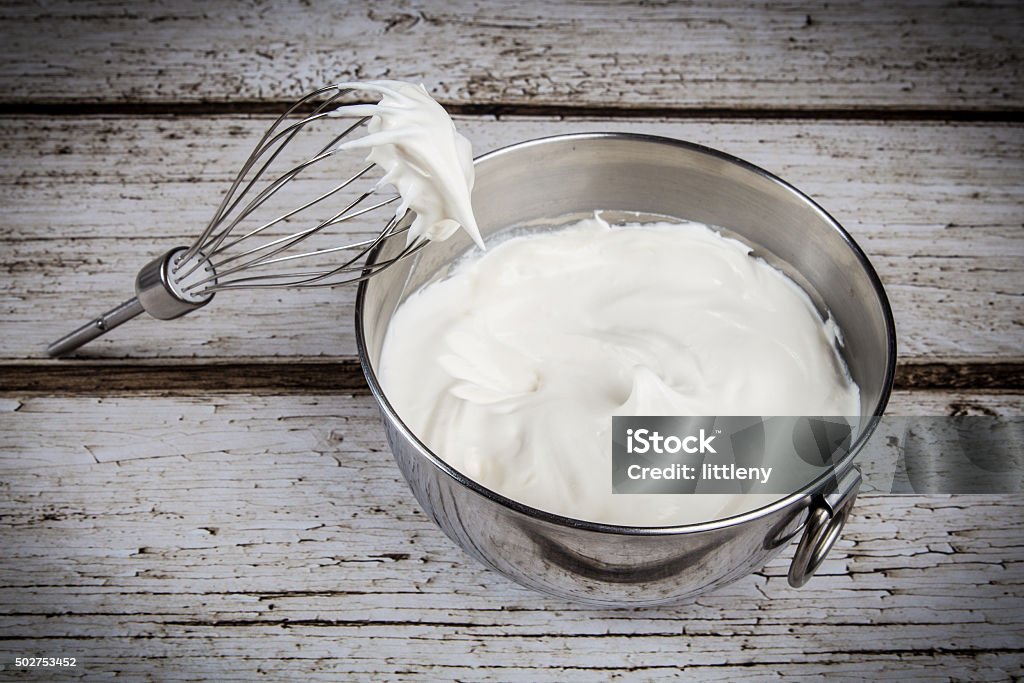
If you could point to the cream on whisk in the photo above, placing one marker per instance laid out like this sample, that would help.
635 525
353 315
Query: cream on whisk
512 366
414 140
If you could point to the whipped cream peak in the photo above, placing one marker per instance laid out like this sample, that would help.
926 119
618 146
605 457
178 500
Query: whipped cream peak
412 138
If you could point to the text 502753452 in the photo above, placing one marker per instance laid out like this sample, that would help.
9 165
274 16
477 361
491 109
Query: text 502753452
36 662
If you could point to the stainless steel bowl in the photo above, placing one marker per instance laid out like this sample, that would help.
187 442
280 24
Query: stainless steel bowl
611 565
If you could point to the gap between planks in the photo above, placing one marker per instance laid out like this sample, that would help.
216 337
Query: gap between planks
174 376
497 110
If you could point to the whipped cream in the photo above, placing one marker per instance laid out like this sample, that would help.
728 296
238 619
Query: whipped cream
512 366
414 140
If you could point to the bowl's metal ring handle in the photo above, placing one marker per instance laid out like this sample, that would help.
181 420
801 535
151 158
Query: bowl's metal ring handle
825 523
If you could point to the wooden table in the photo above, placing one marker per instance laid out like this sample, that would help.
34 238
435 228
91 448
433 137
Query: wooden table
213 497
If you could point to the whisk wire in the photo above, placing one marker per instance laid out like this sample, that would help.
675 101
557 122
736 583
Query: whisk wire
363 247
284 217
316 278
277 184
260 149
277 246
206 249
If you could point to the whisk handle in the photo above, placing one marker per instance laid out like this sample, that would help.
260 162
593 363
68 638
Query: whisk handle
159 290
101 325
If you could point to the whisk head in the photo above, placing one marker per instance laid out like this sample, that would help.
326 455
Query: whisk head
277 224
253 239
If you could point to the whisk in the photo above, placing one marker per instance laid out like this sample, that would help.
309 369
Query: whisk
229 254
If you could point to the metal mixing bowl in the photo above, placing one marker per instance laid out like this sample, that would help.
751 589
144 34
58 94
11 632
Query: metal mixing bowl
612 565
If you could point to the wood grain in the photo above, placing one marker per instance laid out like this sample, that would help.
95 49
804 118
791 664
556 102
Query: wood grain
232 536
207 499
89 201
494 57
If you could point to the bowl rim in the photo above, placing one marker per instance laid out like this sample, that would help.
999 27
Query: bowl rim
601 527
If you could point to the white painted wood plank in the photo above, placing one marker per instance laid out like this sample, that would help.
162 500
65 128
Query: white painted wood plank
89 201
909 54
277 535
